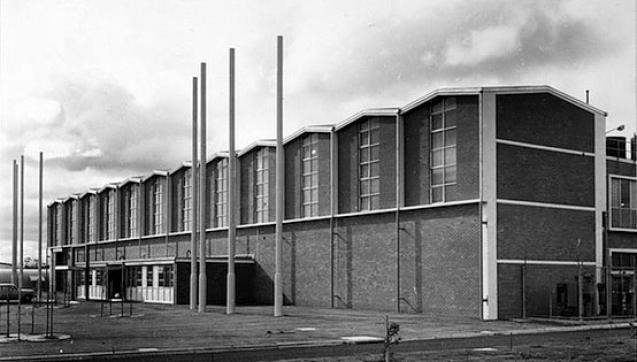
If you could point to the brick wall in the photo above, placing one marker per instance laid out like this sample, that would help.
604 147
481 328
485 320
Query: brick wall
620 168
539 233
522 117
554 177
440 261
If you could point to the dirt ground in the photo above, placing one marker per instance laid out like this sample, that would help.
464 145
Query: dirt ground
603 349
169 327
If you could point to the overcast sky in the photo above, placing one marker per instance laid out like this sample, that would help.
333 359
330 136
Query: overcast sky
103 88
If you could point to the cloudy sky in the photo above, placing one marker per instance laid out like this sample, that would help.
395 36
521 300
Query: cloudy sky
103 87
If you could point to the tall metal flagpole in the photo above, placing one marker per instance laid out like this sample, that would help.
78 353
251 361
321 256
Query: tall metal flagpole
21 260
278 292
232 227
41 175
14 249
194 182
202 194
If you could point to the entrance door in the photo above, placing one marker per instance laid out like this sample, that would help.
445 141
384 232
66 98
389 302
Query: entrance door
115 283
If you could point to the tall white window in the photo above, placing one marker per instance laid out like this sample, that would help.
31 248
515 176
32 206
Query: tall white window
369 158
90 218
261 186
443 148
623 206
221 192
132 214
110 216
70 213
158 200
58 224
187 201
309 175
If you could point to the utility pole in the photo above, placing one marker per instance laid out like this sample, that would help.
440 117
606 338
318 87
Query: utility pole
194 181
278 290
232 227
202 194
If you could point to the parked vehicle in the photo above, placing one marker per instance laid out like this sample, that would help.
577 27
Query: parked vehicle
29 284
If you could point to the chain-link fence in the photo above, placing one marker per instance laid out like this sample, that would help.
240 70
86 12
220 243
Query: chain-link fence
577 291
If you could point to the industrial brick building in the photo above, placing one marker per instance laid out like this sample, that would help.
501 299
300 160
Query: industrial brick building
469 201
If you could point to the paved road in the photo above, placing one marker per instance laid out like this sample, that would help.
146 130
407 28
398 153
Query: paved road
331 350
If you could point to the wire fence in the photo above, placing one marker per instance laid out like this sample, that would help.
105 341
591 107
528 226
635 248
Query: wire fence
577 291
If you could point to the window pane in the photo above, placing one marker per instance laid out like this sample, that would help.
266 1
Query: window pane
436 176
364 125
364 154
450 174
374 153
437 139
374 202
364 170
437 107
437 158
365 187
375 186
364 139
436 122
450 103
374 136
450 137
450 118
365 203
450 156
625 193
615 192
315 179
436 194
374 170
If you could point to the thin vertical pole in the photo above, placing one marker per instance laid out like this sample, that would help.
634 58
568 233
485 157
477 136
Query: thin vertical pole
202 194
523 267
231 287
14 246
278 292
194 181
21 244
41 164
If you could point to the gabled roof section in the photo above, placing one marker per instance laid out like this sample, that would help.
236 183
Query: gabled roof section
259 143
320 128
546 89
133 179
162 173
56 201
185 164
91 191
501 90
112 186
440 92
371 112
219 154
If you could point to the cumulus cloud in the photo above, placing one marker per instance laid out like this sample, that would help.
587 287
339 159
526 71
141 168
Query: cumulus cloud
483 45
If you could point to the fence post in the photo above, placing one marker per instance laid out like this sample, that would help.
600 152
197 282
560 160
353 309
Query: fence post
634 290
551 304
523 269
609 287
580 292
